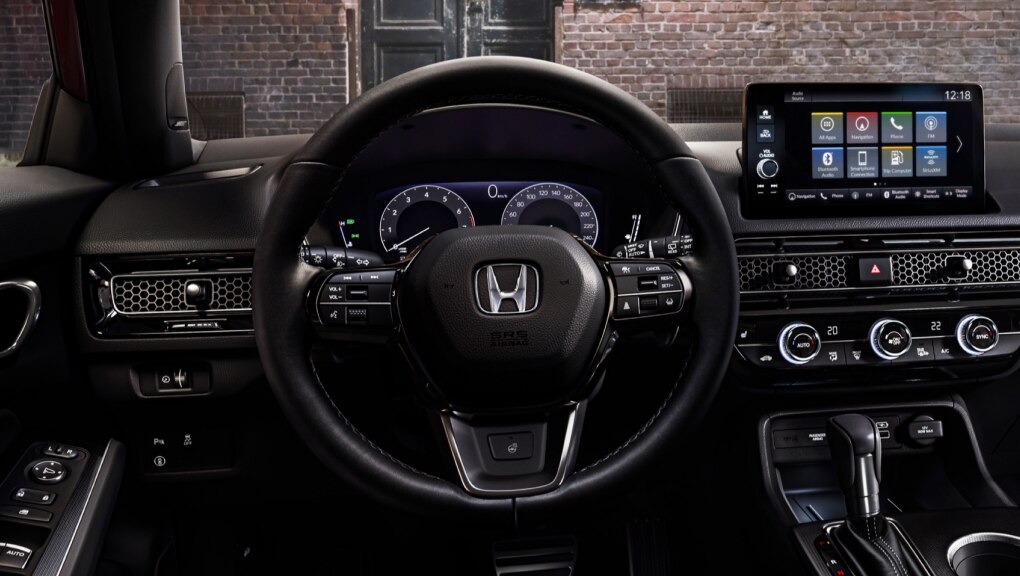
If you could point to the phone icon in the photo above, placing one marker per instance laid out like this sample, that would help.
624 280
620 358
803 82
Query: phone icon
892 122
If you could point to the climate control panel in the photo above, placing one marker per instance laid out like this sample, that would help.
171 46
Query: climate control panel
878 339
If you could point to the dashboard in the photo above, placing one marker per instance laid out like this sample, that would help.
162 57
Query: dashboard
393 222
402 192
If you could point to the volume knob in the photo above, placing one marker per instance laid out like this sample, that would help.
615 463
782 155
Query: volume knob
977 334
799 343
767 168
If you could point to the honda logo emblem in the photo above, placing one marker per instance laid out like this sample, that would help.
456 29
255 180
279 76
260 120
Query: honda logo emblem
506 288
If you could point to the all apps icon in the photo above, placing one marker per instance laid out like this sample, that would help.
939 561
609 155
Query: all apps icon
826 127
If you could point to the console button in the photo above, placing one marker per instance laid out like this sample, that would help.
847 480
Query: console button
763 356
14 556
170 380
889 338
831 354
515 446
48 471
799 343
920 351
25 513
874 271
31 496
767 168
977 334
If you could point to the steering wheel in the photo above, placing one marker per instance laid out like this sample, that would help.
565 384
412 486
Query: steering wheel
508 328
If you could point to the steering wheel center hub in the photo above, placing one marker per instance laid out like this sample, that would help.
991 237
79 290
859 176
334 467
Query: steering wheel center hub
503 317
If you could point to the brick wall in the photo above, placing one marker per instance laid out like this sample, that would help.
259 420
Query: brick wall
647 47
289 58
24 66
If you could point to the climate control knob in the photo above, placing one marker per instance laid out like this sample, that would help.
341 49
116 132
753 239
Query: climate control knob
799 343
889 338
977 334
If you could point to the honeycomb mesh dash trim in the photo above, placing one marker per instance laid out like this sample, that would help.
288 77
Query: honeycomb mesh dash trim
990 267
165 294
814 272
910 269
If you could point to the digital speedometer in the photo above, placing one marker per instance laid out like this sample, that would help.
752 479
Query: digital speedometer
418 213
556 205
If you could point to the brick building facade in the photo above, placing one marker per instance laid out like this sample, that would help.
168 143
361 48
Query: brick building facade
289 60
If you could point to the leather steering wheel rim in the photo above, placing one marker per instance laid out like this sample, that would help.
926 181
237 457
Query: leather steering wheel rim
305 186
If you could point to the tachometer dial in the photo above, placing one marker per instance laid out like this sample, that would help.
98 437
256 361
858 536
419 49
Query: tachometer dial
419 212
554 205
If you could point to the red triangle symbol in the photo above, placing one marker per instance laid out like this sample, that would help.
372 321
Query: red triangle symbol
875 269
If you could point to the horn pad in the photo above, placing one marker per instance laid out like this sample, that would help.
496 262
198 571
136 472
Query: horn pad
526 342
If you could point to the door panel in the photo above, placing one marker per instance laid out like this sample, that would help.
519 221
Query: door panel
400 35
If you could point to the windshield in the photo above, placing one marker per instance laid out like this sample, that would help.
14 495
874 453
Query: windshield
259 68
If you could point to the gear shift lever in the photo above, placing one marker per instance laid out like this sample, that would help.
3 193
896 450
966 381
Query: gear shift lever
857 455
867 540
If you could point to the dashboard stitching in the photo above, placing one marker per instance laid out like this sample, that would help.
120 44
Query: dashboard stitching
364 438
647 424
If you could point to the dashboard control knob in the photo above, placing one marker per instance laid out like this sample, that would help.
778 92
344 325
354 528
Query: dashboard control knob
767 168
799 343
977 334
889 338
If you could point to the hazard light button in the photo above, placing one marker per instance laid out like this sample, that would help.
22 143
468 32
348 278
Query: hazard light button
875 271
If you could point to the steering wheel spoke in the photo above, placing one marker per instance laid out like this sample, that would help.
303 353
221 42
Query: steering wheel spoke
514 455
354 305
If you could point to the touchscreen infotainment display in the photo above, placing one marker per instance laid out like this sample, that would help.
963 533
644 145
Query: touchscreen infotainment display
862 149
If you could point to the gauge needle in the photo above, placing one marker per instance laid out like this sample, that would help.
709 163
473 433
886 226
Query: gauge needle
408 239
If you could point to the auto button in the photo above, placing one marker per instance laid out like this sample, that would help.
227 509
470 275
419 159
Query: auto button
14 556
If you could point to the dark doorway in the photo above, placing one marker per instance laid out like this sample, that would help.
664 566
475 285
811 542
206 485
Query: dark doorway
401 35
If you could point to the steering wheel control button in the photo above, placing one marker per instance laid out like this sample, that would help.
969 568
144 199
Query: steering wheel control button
889 338
874 271
30 496
25 513
515 446
977 334
48 472
799 343
357 299
628 306
14 557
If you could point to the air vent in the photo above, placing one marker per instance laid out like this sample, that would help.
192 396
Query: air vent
168 295
989 267
815 272
164 293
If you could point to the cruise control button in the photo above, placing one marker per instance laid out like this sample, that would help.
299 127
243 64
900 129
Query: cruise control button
14 556
48 471
649 304
25 513
31 496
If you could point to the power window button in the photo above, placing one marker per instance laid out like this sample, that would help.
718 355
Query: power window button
13 556
30 496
